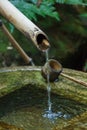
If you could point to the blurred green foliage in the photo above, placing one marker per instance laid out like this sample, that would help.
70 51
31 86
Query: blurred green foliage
64 21
33 8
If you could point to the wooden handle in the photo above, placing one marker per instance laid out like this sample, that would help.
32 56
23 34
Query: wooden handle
73 79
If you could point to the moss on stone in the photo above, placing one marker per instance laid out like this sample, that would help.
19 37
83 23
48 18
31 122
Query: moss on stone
16 78
77 123
5 126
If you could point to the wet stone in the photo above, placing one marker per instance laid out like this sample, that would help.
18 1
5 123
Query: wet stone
5 126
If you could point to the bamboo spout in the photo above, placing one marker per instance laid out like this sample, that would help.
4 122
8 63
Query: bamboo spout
23 24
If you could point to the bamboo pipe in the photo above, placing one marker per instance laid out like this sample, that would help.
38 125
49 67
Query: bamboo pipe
26 58
23 24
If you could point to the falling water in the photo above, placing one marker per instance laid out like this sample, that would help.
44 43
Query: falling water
47 56
49 113
48 86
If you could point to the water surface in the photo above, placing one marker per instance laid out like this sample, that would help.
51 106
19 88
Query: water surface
28 108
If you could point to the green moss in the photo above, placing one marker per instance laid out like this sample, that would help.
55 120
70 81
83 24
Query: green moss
12 80
5 126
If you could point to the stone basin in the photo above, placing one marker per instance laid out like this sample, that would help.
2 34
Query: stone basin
23 102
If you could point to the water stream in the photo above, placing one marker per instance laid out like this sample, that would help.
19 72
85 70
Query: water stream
48 87
49 113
